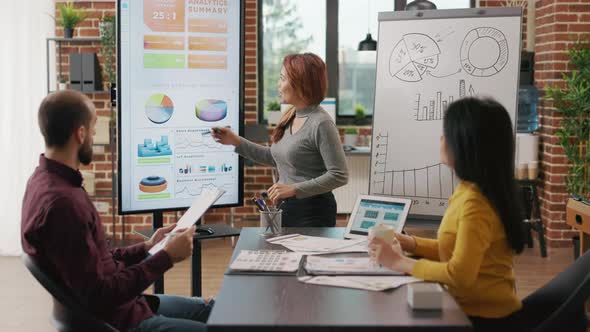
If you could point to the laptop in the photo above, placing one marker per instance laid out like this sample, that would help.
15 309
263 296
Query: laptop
371 210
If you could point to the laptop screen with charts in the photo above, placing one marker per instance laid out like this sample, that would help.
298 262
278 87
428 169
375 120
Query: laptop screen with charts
372 210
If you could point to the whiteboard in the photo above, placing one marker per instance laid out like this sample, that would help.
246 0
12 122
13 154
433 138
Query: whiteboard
425 61
180 73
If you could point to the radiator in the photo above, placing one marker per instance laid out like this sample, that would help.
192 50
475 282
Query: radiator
358 182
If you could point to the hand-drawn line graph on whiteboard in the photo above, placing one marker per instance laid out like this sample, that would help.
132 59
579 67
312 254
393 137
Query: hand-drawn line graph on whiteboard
430 185
434 109
412 56
484 52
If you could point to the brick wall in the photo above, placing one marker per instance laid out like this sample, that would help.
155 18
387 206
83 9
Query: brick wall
501 3
101 166
558 23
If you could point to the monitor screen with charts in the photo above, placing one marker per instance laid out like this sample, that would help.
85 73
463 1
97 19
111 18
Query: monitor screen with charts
371 211
181 71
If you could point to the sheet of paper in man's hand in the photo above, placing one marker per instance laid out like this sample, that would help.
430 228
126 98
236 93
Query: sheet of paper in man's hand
199 206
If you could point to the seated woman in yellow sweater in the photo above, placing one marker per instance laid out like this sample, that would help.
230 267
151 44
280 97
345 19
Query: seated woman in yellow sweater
481 229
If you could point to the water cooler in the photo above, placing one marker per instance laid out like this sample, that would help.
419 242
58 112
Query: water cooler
528 96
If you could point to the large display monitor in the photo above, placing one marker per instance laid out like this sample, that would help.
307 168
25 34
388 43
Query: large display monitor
179 74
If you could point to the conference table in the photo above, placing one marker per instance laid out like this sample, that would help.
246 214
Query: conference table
282 303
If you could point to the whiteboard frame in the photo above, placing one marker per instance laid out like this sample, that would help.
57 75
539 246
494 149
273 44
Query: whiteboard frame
441 14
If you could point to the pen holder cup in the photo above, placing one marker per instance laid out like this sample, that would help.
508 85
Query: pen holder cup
271 221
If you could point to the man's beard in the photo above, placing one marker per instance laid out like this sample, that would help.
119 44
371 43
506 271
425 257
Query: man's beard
85 153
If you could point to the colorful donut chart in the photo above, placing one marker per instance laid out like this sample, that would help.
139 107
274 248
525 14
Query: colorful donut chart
211 110
489 42
153 184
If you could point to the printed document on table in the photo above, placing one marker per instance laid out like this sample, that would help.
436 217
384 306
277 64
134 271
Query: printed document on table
345 266
266 260
318 245
200 205
370 283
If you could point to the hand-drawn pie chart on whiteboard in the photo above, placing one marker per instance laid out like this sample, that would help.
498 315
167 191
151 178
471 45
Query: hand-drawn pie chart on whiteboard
484 52
159 108
412 56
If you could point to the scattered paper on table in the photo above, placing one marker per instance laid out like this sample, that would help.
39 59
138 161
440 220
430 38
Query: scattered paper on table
313 245
345 265
266 260
370 283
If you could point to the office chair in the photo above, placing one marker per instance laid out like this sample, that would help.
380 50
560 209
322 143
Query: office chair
69 314
560 304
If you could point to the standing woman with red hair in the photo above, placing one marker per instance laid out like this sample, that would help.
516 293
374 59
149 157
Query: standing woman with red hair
306 148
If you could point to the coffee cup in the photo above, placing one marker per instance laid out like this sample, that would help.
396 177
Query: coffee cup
383 232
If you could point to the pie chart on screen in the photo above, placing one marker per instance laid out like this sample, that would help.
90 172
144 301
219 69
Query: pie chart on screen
211 110
159 108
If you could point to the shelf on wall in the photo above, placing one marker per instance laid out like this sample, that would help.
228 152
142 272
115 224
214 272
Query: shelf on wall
98 92
75 40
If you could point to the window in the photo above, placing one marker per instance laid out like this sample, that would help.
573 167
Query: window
444 4
296 26
288 26
356 69
452 4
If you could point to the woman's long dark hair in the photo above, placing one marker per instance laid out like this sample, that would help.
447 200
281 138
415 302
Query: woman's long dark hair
480 141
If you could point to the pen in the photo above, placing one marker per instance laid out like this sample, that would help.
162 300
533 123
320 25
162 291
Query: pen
209 131
255 201
263 204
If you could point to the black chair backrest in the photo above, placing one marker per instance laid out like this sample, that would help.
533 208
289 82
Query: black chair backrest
68 313
560 304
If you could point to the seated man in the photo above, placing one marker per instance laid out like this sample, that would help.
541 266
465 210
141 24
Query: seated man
62 230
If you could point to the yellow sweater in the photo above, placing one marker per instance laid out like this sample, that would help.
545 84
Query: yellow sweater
471 256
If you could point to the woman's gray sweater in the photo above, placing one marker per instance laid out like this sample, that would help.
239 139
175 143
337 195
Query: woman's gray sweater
312 159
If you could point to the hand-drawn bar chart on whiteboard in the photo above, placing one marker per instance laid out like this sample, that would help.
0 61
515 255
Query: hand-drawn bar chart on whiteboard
434 108
426 60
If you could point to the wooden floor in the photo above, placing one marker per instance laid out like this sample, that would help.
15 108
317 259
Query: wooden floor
25 306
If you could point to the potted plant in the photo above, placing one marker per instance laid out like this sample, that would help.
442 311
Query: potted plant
274 112
359 114
573 103
62 84
106 25
108 42
350 136
69 18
